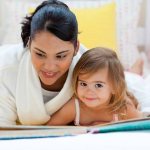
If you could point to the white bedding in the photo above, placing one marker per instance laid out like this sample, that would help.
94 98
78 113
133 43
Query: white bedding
140 87
107 141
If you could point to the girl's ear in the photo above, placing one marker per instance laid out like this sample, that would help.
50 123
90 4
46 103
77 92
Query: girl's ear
77 48
112 91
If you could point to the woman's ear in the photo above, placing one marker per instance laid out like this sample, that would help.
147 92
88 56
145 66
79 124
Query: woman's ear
29 42
77 48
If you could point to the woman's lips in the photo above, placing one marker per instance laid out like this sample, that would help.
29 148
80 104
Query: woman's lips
49 74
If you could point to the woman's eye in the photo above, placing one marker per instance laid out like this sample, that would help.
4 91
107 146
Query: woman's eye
61 56
40 55
83 84
98 85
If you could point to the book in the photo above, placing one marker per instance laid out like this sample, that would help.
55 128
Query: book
24 132
128 125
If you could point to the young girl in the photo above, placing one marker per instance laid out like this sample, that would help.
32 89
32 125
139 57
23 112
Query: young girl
100 92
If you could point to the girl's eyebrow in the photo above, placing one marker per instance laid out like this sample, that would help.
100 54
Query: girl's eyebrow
93 81
100 82
81 80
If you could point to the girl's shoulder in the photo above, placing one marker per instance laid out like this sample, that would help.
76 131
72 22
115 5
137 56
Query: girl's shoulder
130 111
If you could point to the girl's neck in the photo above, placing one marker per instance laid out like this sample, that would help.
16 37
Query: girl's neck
58 85
91 109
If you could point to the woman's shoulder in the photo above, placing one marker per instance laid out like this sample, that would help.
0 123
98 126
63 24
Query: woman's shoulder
82 49
10 55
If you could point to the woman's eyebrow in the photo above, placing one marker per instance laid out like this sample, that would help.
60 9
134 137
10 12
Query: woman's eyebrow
39 50
62 52
45 53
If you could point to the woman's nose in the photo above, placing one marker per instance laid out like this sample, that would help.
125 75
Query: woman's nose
49 64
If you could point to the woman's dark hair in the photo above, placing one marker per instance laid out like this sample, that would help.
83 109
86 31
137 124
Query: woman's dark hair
52 16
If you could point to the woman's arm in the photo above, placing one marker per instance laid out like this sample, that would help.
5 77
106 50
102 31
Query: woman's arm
8 112
65 115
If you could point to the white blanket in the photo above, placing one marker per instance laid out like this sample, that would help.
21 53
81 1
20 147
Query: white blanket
140 87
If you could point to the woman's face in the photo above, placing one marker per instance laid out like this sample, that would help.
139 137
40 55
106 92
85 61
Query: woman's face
51 57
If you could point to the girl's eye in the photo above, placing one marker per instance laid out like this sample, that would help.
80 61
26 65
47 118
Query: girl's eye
83 84
40 54
61 56
98 85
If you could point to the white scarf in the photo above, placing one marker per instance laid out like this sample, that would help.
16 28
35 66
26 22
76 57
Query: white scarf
29 100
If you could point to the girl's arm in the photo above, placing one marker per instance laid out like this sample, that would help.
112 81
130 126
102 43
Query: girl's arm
65 115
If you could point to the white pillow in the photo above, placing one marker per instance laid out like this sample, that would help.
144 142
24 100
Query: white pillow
140 87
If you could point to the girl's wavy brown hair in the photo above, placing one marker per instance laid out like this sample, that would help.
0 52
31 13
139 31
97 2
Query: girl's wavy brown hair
100 58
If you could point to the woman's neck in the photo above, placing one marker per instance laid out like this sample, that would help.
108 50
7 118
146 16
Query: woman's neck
58 85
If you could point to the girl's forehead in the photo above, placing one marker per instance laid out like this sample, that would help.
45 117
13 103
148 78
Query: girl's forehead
99 74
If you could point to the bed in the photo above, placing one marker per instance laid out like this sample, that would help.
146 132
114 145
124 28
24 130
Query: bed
128 52
105 141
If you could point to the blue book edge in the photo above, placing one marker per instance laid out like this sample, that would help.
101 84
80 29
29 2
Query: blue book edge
123 126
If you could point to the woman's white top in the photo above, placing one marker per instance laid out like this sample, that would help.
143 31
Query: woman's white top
21 95
48 95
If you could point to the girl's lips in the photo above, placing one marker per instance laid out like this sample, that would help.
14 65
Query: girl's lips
49 74
90 99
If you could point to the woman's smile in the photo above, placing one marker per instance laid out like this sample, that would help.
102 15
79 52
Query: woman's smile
49 74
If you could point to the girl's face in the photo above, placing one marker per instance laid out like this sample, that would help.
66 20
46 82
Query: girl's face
51 57
94 90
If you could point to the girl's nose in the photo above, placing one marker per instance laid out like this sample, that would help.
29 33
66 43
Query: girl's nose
90 89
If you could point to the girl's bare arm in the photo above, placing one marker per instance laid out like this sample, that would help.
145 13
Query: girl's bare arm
65 115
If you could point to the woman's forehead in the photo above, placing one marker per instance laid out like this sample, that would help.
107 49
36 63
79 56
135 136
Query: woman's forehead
46 42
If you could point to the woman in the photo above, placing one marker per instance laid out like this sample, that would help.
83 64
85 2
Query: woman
35 80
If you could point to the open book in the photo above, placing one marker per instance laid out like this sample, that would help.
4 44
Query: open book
20 131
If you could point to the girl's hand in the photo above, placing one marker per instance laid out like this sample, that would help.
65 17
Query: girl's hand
99 123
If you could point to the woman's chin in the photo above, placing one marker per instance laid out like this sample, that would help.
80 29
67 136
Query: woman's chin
48 83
